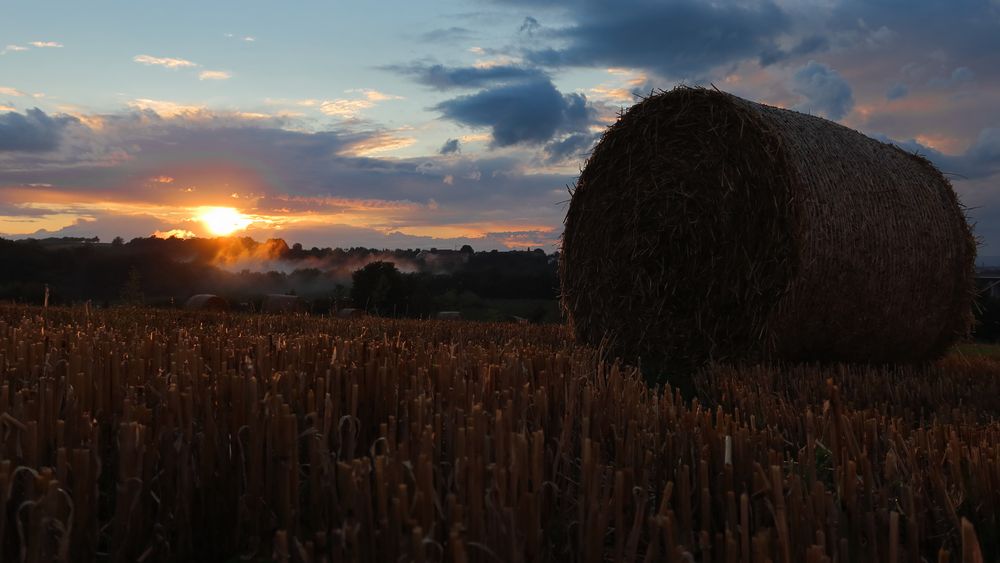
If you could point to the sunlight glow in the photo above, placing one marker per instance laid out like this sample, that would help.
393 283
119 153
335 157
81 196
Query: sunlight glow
222 221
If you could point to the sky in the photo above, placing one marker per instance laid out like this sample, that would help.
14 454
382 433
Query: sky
404 124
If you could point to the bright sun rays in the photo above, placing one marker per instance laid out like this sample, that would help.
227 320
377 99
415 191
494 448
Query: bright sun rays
222 221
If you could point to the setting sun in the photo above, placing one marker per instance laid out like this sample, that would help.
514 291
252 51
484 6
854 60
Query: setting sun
222 221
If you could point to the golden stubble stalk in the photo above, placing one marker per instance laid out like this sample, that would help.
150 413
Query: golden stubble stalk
153 436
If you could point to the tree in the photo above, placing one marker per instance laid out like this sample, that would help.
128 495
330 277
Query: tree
378 287
132 290
117 241
467 249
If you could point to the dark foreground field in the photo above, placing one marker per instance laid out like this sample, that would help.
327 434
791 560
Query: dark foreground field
135 435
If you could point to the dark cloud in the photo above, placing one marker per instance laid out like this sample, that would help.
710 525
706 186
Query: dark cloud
529 27
897 91
959 76
450 146
825 91
531 112
983 157
964 30
447 78
679 39
575 147
807 46
448 35
33 131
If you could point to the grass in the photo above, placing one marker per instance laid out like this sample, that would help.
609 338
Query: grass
977 350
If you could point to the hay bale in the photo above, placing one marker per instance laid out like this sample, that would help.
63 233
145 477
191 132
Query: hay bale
705 226
206 302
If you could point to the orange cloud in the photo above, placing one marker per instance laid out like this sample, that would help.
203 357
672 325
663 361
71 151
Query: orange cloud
174 233
215 75
381 142
165 108
349 107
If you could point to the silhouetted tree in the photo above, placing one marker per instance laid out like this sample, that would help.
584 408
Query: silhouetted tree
378 287
132 290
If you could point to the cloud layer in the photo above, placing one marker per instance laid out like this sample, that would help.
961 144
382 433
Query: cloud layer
142 168
32 131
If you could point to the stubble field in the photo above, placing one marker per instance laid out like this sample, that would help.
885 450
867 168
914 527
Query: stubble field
140 435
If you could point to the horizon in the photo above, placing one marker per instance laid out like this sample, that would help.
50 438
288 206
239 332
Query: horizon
96 239
401 128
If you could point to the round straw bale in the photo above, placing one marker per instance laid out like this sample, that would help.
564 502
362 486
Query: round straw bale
708 227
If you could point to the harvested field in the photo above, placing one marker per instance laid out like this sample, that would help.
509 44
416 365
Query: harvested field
708 227
176 436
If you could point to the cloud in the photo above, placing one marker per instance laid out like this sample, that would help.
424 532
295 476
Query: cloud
959 76
107 226
375 143
167 62
344 107
164 108
451 146
442 77
825 91
452 34
529 26
46 44
12 49
683 38
32 131
328 188
350 107
897 91
575 147
7 91
531 112
215 75
174 233
806 46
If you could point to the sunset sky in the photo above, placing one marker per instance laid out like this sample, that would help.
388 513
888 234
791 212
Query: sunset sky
416 124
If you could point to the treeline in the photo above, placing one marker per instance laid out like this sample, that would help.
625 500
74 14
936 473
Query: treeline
165 272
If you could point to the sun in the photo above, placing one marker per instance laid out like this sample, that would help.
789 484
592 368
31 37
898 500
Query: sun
222 221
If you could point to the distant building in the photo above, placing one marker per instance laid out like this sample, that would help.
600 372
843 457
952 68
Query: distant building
350 313
206 302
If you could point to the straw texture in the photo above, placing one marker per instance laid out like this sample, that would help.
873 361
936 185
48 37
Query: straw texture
705 226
